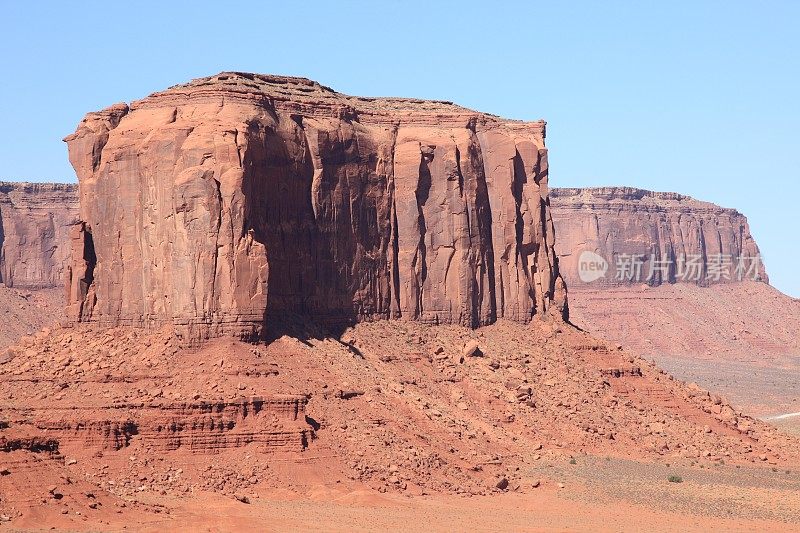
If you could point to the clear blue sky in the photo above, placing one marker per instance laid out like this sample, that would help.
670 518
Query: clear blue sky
701 98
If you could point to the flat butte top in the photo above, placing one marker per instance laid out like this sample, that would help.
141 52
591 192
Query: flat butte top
616 198
310 98
34 187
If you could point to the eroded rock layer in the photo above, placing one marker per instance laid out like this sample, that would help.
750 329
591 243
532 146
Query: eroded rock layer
214 204
275 423
34 224
652 237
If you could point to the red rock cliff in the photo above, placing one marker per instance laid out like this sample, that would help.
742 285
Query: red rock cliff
34 227
618 223
214 204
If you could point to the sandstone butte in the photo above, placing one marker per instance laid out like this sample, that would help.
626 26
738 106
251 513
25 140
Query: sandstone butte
615 222
35 219
216 204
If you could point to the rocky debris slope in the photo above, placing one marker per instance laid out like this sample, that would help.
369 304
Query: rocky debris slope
683 322
389 405
652 237
740 339
24 312
215 204
747 321
34 233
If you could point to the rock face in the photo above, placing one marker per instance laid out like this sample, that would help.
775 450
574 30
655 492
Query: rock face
651 237
34 225
218 203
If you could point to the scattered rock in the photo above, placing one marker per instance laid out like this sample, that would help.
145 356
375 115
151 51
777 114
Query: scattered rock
347 394
472 349
6 356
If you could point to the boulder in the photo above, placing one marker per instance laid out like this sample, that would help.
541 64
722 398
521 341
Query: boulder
472 349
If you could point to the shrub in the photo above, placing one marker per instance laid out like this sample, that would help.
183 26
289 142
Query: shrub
675 479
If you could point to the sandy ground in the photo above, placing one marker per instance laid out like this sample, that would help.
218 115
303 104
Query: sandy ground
598 494
772 393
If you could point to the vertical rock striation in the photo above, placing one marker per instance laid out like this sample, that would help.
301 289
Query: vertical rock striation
215 204
621 222
34 224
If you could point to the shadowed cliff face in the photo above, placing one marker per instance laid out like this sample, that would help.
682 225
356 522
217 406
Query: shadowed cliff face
34 223
217 204
651 238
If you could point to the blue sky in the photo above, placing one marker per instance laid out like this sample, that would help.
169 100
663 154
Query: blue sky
701 98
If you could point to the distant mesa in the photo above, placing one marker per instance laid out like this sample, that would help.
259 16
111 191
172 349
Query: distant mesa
651 238
34 224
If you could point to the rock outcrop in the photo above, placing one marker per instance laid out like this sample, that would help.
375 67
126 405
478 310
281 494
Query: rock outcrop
34 227
215 204
651 237
267 424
